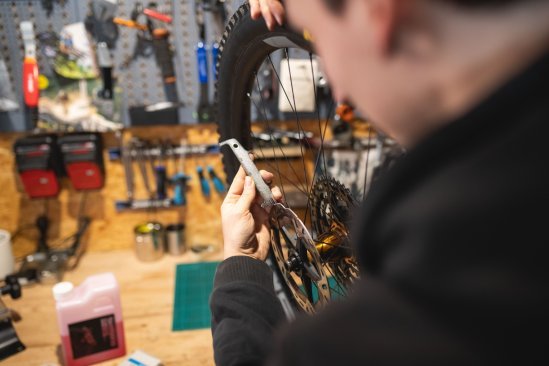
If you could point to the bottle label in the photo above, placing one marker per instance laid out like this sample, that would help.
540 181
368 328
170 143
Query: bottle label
93 336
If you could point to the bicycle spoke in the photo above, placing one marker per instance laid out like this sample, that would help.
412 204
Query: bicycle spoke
321 152
266 119
300 127
293 110
266 162
277 168
269 127
323 135
327 267
367 162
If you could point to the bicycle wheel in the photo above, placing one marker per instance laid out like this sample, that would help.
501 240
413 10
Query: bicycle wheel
309 276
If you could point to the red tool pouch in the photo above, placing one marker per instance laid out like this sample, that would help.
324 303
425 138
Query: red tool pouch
83 157
39 165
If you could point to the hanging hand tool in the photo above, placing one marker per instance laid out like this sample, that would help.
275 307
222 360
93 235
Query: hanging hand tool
100 23
164 59
204 185
143 44
217 9
204 108
139 147
160 173
153 33
42 223
104 62
152 13
48 5
163 51
180 179
129 23
215 56
218 183
30 71
128 170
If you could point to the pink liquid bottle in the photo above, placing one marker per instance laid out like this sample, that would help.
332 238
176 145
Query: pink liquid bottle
90 320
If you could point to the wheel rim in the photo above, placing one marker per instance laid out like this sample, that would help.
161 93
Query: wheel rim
294 260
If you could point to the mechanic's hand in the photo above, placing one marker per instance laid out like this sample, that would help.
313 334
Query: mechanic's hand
272 11
245 223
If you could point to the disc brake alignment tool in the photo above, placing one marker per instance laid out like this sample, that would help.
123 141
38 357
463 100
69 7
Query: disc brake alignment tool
283 218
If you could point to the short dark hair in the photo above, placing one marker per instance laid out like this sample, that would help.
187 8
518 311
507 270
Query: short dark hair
337 5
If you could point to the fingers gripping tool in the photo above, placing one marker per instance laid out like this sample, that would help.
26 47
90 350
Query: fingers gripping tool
281 217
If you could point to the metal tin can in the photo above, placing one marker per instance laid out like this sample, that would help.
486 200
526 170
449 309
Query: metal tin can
149 241
175 239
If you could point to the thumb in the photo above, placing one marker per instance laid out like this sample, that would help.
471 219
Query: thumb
246 199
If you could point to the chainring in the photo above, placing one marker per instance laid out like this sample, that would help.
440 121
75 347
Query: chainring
331 208
329 254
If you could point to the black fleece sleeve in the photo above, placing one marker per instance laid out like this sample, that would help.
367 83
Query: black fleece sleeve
245 312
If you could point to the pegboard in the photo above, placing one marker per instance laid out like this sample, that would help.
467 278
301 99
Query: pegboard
140 82
11 45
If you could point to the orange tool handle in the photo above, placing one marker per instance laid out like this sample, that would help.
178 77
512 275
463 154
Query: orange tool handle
129 23
30 82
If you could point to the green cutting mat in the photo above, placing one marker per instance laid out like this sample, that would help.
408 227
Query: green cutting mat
193 286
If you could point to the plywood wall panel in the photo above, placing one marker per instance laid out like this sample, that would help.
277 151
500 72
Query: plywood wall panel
111 230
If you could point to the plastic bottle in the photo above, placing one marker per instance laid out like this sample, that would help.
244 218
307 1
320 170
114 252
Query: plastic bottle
90 320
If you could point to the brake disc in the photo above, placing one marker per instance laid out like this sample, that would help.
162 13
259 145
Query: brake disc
298 259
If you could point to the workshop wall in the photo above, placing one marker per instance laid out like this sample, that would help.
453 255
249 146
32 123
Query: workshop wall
109 229
139 81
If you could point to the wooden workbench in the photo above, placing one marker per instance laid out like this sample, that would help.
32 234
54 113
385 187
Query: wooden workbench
147 291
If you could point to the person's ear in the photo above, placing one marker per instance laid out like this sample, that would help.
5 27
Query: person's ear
384 17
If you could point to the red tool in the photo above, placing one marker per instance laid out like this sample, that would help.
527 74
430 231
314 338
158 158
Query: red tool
156 15
30 66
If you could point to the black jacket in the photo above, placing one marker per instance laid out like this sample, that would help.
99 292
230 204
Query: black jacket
453 243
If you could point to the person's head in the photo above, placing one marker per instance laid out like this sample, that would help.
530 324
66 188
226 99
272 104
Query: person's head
411 65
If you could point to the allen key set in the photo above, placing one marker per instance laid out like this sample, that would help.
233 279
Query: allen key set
161 166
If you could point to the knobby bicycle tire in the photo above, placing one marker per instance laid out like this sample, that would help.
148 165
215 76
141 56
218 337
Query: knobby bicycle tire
246 43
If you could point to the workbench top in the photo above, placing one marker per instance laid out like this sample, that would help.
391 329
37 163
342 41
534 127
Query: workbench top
147 294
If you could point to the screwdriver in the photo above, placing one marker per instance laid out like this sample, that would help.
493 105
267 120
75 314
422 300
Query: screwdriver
218 184
30 70
204 185
180 179
161 174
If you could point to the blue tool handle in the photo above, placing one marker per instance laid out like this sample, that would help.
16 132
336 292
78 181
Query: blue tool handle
160 175
202 62
218 184
180 198
215 56
204 185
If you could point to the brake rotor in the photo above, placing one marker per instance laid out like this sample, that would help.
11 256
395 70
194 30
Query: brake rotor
298 259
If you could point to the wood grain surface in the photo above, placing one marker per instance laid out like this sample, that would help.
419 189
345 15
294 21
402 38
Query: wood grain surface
147 291
111 230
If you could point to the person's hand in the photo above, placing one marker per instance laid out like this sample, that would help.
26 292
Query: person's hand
244 222
272 11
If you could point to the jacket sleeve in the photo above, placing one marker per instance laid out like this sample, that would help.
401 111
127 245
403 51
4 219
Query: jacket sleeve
245 311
